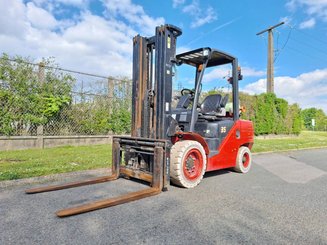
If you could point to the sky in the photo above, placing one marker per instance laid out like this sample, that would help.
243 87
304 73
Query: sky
95 36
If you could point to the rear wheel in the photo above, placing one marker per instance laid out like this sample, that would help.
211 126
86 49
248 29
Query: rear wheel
187 163
243 160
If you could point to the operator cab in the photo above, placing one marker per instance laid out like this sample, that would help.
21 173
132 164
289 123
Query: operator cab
198 111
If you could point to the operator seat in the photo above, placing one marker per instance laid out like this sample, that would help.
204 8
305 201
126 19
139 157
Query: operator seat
184 101
213 107
210 104
224 101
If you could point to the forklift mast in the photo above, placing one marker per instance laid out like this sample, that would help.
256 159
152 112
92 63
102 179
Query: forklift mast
152 82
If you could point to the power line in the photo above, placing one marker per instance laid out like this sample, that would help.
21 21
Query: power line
301 42
309 45
265 40
310 36
306 54
66 70
297 51
287 39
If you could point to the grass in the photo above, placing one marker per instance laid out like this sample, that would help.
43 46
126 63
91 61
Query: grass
35 162
307 139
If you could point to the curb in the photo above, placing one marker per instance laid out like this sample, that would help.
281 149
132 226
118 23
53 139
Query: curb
298 149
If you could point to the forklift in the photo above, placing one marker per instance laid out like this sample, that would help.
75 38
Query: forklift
169 144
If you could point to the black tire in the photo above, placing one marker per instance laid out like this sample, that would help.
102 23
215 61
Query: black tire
243 160
187 163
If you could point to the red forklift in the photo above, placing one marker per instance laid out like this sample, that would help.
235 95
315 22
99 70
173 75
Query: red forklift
177 144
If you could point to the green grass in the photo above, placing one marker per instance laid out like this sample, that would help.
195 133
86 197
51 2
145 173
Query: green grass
307 139
35 162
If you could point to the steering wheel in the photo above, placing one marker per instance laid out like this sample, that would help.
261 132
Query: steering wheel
185 91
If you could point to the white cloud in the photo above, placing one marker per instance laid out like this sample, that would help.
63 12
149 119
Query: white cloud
176 3
200 15
39 17
88 43
250 72
287 20
217 73
77 3
134 14
60 7
308 89
200 20
192 8
14 17
222 72
313 8
55 4
291 5
307 24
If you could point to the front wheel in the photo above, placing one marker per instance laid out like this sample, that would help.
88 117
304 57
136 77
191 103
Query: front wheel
187 163
243 160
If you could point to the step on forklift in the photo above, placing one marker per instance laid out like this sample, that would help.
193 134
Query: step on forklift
177 144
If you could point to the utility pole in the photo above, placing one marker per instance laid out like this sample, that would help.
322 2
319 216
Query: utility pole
270 63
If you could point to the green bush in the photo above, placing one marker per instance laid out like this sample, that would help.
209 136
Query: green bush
26 99
271 115
297 119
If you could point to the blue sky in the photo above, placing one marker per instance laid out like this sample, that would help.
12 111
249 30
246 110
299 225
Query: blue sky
96 36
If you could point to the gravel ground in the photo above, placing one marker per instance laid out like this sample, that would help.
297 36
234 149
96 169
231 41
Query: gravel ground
281 201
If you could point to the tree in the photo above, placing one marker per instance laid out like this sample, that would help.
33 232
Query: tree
29 98
318 115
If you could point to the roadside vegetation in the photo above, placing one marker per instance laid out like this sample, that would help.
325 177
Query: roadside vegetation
35 162
271 115
306 139
42 95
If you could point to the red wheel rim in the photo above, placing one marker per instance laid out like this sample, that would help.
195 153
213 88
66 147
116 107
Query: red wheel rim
246 159
193 164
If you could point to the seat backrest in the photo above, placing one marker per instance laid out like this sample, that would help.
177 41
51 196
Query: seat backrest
211 103
224 101
184 101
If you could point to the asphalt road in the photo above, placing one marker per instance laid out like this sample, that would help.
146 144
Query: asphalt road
283 200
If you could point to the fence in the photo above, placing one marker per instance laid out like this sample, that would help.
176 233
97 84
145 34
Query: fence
46 100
